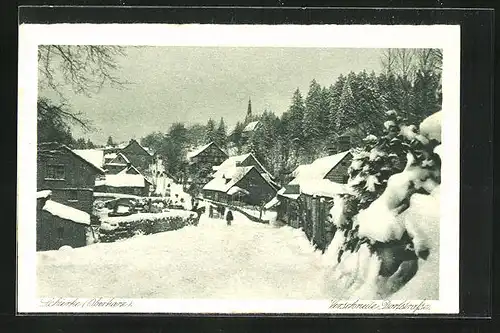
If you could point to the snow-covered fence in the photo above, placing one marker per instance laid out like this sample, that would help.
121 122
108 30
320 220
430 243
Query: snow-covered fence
115 228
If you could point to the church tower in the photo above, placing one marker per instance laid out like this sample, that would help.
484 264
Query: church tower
249 116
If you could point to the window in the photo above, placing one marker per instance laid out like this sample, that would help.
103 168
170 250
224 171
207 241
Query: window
54 172
73 195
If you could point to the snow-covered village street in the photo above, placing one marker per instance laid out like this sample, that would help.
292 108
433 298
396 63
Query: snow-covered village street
243 261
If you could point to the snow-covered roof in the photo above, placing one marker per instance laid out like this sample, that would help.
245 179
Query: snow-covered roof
251 126
54 146
233 161
298 170
117 146
229 163
273 202
231 151
293 196
227 179
123 180
94 156
66 212
43 194
110 156
310 178
122 156
198 150
116 164
125 170
317 169
235 189
323 188
137 142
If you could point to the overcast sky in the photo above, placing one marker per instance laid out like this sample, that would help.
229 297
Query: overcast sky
192 84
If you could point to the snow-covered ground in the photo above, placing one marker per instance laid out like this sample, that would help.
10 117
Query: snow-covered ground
267 215
246 260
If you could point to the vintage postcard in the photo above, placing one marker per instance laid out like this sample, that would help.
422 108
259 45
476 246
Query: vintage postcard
284 169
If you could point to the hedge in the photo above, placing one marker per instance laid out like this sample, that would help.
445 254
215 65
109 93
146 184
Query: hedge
122 227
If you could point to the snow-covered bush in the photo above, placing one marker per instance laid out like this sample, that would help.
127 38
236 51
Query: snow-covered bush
115 228
386 175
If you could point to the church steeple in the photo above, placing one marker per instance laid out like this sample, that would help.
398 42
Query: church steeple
249 111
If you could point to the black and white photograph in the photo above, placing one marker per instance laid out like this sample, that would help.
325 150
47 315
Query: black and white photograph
238 169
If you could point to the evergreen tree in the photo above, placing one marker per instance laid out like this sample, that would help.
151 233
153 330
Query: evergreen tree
426 97
90 144
388 92
378 160
370 110
195 135
335 93
210 134
346 113
236 136
173 149
296 113
324 112
110 142
312 114
220 134
375 163
80 143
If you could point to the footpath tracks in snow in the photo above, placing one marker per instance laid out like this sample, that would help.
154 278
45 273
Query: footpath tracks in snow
212 260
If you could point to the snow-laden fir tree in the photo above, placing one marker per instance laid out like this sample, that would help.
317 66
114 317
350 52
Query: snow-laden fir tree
220 134
296 114
311 120
346 112
374 164
381 247
210 131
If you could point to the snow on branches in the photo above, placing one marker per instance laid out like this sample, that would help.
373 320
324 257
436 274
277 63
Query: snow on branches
387 175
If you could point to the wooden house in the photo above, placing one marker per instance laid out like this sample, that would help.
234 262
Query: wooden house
58 225
201 162
306 200
138 156
117 165
250 128
128 181
69 176
241 184
244 160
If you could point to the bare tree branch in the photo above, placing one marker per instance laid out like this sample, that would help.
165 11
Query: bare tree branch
84 68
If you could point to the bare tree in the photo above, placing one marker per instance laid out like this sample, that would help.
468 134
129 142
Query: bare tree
388 59
85 68
429 60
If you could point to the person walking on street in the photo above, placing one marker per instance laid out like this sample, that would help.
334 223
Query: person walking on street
211 211
229 217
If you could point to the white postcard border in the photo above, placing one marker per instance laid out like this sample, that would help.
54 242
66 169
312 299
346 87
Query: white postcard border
446 37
